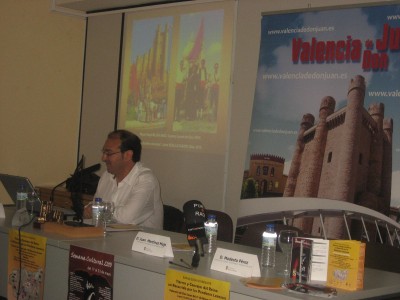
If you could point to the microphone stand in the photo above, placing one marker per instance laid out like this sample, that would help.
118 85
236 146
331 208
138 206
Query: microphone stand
199 251
199 244
196 256
54 189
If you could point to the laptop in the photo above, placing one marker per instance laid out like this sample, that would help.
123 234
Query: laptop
11 184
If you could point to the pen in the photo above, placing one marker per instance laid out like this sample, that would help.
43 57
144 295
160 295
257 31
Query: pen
187 264
179 265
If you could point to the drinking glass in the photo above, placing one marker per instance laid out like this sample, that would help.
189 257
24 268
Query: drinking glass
285 242
107 214
33 196
31 200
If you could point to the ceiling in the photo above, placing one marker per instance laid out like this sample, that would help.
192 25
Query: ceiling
87 7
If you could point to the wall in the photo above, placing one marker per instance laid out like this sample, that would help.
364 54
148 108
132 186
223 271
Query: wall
40 90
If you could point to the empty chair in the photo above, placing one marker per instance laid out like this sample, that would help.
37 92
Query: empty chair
377 257
173 219
225 225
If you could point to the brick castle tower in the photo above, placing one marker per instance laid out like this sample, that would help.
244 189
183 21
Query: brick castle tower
346 156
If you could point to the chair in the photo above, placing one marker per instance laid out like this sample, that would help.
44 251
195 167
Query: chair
382 257
225 225
173 219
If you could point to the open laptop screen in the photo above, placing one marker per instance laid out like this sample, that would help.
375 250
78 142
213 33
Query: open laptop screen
11 184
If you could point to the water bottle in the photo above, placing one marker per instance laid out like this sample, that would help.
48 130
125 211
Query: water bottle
22 197
21 216
211 227
96 212
269 238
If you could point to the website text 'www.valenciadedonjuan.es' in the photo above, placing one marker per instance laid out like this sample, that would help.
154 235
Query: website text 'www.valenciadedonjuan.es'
304 76
384 94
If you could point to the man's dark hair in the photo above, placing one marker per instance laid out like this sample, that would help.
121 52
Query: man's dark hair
129 141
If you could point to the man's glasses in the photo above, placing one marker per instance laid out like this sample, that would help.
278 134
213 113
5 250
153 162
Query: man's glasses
108 154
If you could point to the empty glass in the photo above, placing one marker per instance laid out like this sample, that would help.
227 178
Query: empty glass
285 242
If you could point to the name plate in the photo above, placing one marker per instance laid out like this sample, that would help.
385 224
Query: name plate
236 263
153 244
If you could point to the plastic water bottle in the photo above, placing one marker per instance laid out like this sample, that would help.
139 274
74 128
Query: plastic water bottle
22 197
211 227
21 216
269 238
96 212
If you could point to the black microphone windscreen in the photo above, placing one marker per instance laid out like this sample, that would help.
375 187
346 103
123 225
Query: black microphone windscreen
194 212
195 216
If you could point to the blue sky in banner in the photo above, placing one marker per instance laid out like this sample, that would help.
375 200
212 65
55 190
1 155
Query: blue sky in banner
285 90
142 41
213 21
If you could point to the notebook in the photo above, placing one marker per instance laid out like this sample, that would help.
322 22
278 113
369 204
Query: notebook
11 184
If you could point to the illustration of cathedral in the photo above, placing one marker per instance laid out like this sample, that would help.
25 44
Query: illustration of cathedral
148 80
346 155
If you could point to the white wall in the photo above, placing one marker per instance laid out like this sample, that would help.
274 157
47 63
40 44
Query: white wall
41 61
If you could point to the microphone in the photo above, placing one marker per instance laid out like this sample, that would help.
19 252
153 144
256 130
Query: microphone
89 170
195 216
196 255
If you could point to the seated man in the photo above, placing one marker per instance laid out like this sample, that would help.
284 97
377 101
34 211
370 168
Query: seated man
132 187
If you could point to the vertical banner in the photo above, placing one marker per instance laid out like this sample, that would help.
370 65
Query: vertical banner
326 111
91 274
26 265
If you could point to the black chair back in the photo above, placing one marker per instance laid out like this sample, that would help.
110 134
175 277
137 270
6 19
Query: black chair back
173 219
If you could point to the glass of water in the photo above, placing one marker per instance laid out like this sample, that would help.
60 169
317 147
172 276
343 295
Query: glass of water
31 200
285 242
107 214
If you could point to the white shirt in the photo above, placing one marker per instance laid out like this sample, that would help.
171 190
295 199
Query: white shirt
137 197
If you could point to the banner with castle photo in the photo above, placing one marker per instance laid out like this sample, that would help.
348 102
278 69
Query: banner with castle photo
326 111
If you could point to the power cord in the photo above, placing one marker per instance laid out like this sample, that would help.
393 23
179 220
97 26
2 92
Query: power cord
20 254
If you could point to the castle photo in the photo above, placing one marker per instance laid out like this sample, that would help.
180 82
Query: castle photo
346 155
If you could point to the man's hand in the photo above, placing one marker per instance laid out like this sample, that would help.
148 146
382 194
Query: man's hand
87 211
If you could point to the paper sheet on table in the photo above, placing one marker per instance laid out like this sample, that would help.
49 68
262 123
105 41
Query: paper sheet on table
263 283
123 227
185 247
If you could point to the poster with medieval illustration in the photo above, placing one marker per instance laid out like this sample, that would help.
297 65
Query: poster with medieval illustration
326 112
175 76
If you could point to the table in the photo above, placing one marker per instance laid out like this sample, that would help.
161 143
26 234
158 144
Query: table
144 276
